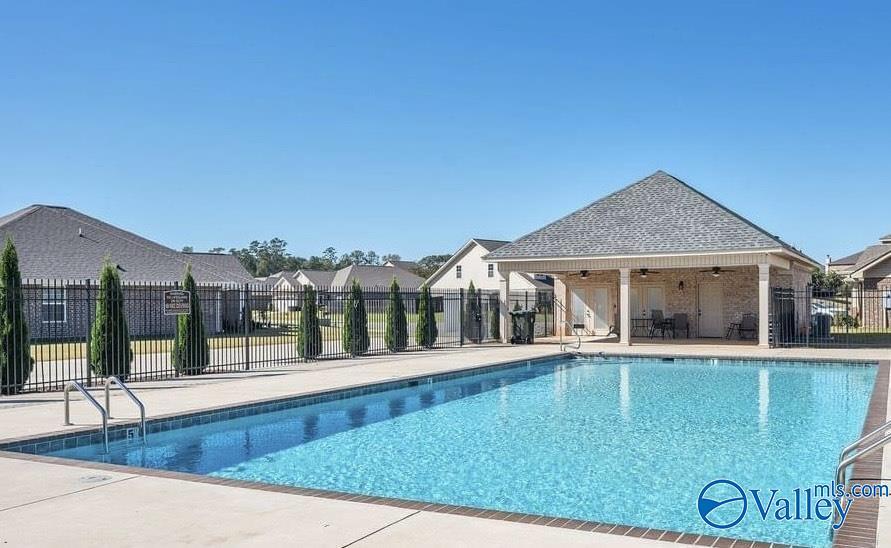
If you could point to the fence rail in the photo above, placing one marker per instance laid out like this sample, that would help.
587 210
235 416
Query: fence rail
848 318
247 327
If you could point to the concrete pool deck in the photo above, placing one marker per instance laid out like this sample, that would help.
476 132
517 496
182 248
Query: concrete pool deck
147 509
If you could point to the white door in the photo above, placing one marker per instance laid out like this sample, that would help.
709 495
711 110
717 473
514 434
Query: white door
601 311
579 309
645 299
711 309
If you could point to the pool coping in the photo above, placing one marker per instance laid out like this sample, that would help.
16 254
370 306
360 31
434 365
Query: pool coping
860 532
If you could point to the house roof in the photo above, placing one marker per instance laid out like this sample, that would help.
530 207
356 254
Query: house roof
404 265
659 214
376 276
490 245
223 262
536 283
487 245
320 278
56 242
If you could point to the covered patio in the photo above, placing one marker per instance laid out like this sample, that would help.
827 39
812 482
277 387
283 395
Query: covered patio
657 258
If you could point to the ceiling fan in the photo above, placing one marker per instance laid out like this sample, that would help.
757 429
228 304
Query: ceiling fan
646 271
716 271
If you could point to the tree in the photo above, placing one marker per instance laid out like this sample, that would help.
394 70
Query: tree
396 335
310 343
495 324
110 352
217 250
430 264
425 330
390 257
472 315
188 249
15 345
190 349
828 282
354 334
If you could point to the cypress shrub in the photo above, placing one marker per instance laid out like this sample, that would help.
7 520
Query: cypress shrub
396 336
355 322
15 345
473 315
425 330
310 344
495 324
110 352
190 349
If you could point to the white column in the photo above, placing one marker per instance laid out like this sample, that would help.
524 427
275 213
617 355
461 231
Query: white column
504 304
763 305
560 311
625 306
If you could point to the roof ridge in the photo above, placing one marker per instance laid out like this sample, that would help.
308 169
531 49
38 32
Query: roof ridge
132 238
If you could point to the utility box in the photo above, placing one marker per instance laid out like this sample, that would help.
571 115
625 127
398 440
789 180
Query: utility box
522 326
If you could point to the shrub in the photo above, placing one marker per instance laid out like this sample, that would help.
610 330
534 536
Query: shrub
190 350
425 330
355 322
310 344
396 335
495 324
15 345
473 315
110 352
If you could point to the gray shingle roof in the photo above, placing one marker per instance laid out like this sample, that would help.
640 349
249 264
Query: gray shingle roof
376 276
870 254
405 265
658 214
849 260
490 245
320 278
222 263
61 243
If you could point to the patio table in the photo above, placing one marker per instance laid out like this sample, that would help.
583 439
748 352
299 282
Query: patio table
640 324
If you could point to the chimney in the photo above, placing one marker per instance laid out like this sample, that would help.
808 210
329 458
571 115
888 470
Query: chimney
828 260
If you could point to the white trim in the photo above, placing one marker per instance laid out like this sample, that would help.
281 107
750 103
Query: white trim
777 250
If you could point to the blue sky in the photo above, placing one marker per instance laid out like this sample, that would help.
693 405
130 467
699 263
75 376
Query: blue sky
408 127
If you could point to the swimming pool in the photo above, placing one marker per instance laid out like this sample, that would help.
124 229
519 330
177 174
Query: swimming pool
616 440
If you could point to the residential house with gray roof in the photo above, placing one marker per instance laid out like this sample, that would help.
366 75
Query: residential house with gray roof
868 271
61 252
656 247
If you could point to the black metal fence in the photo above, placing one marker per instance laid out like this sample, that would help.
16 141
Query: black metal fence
248 327
849 318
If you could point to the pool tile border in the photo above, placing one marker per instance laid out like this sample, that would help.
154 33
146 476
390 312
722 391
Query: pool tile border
857 535
862 523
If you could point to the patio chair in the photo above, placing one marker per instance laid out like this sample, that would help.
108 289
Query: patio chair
681 323
657 323
748 327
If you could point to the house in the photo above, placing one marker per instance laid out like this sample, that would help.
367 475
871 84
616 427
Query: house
284 285
61 252
467 265
660 245
869 273
410 266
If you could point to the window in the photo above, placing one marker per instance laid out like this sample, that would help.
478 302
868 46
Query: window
52 305
458 271
491 271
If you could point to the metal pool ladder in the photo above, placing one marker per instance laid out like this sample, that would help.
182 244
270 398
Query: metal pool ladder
578 343
80 388
109 381
877 439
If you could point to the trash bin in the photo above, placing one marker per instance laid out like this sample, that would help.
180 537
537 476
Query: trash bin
822 324
522 326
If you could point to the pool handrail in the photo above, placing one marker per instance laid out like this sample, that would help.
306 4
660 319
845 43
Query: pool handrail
578 343
846 459
88 397
111 380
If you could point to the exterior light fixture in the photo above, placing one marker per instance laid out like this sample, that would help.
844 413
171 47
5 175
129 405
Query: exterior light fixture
643 272
583 274
681 285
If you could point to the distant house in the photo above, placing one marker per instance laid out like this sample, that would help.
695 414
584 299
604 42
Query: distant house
467 265
287 283
870 272
60 249
410 266
376 276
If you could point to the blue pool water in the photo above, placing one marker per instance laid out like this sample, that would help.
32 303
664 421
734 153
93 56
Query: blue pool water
618 441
